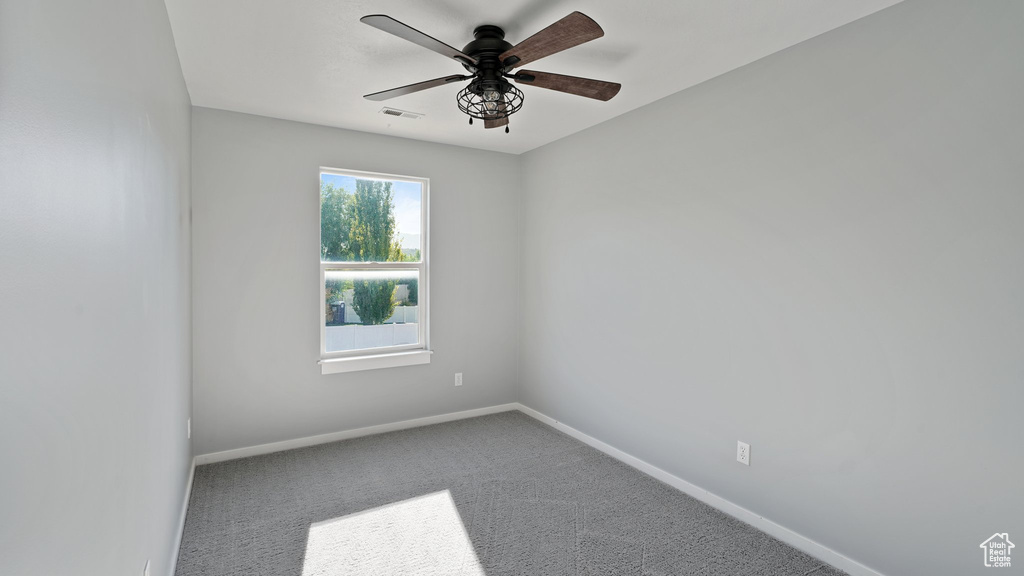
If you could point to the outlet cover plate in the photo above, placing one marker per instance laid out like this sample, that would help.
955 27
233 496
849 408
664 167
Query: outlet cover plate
743 453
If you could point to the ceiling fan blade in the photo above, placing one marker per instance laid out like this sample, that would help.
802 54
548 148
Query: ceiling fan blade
392 26
573 30
409 89
496 123
596 89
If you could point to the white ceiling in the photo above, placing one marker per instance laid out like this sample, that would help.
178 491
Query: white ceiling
312 60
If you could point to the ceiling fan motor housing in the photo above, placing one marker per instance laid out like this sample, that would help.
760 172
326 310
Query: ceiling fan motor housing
489 40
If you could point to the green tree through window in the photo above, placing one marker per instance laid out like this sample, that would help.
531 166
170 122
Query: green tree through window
335 223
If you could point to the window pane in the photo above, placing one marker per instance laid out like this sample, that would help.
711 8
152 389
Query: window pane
365 220
371 309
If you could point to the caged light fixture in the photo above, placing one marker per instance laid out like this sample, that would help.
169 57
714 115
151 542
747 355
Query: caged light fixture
493 102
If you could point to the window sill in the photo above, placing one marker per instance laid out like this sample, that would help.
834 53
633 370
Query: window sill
357 363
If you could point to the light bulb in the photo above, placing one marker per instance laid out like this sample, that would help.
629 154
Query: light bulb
491 95
490 106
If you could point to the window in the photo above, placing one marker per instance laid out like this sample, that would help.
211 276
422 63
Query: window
373 271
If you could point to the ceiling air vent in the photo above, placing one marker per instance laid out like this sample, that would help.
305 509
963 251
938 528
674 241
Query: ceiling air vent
400 113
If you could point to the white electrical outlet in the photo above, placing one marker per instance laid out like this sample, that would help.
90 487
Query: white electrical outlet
458 378
743 453
145 571
189 428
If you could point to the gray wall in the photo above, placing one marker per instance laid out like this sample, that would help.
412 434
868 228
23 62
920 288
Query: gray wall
256 280
837 233
94 288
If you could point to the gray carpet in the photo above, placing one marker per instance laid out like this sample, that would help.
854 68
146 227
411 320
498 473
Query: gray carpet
531 500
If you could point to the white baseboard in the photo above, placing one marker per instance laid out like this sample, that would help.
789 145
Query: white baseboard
778 531
346 434
181 520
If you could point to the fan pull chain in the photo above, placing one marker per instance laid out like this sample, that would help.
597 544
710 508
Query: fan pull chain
470 120
506 129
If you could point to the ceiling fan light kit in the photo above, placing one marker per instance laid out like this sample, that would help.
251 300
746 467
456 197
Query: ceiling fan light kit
490 61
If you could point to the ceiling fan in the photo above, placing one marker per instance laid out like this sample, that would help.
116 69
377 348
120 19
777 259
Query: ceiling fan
489 59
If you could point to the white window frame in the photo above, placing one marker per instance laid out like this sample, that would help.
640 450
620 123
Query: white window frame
389 356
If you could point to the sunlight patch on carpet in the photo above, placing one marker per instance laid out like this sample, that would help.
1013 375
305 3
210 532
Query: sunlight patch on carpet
422 536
